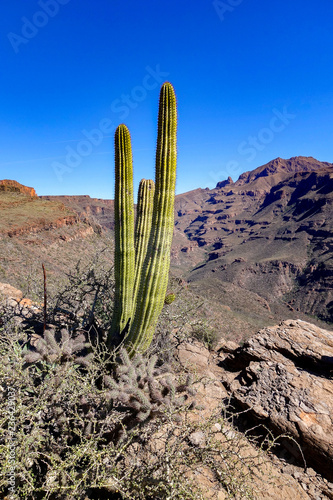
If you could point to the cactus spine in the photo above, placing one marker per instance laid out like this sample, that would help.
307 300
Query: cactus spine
138 305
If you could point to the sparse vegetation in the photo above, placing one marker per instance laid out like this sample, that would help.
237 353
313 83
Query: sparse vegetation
19 211
100 407
85 430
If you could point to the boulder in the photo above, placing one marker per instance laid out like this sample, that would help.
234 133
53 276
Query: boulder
268 479
9 293
283 377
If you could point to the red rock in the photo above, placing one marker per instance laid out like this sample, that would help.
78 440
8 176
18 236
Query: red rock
9 185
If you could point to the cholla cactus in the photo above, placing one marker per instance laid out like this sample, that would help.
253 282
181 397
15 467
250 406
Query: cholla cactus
146 389
48 349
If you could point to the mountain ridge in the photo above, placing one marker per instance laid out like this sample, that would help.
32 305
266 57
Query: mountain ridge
263 243
284 167
270 232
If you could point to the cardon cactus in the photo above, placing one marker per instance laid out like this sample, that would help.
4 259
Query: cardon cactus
144 300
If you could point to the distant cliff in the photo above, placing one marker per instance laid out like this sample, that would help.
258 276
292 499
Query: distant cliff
13 186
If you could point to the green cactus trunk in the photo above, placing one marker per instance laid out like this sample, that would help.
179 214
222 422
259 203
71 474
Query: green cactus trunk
142 268
155 272
124 235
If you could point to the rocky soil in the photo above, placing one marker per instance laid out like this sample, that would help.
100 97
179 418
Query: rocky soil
280 380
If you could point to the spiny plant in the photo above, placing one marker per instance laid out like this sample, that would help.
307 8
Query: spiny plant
68 348
146 389
142 255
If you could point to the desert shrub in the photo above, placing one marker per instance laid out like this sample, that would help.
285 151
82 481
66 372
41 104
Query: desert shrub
203 332
75 421
86 296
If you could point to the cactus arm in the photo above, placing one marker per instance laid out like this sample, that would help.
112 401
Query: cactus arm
154 276
124 234
142 227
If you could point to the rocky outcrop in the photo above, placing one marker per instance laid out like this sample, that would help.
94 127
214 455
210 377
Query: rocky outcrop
283 377
276 478
222 184
9 185
9 292
42 226
282 167
13 298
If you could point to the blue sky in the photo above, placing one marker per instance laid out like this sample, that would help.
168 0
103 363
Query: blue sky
253 79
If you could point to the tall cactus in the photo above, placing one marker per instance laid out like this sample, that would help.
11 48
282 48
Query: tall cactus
154 276
124 233
137 321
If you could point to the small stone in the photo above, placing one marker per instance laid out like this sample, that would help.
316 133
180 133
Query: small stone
297 474
229 434
312 491
304 486
217 427
197 438
310 472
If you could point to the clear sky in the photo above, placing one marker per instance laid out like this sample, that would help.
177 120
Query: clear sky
253 79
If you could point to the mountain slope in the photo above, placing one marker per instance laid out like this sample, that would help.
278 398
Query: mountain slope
270 233
263 241
253 252
35 231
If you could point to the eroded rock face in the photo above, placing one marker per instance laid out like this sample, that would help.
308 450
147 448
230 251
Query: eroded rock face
283 375
9 185
270 481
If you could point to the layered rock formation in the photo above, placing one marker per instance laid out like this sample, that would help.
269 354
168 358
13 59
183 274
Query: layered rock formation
35 231
270 232
13 186
93 209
